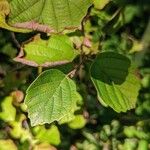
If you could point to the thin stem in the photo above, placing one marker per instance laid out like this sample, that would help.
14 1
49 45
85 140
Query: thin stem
72 73
15 41
40 70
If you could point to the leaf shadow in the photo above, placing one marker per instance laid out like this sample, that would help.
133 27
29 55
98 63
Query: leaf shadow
111 73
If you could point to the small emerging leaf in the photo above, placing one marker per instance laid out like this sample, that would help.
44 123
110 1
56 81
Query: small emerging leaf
8 110
115 82
78 122
17 131
51 135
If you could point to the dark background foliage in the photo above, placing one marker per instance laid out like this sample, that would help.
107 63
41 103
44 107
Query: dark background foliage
122 26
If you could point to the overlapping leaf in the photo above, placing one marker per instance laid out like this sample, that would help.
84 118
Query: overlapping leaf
48 15
4 11
56 50
100 4
51 97
115 82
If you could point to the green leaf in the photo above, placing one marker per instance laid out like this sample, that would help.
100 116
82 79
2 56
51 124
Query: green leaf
51 135
48 15
51 97
100 4
71 116
4 25
44 146
7 144
57 50
115 82
143 145
8 110
17 131
78 122
4 11
4 7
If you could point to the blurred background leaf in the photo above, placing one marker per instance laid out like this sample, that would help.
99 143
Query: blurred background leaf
118 26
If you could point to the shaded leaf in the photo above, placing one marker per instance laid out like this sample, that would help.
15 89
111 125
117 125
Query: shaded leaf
113 77
57 50
50 97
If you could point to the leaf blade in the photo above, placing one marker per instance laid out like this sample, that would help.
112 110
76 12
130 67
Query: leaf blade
50 97
112 76
48 15
4 11
57 50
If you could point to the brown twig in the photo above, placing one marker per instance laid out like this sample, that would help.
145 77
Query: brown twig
15 41
72 73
